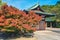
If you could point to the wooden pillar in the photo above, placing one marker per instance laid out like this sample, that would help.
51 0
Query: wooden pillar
51 24
46 24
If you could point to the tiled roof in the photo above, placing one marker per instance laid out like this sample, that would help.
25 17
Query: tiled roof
36 5
50 19
44 13
38 11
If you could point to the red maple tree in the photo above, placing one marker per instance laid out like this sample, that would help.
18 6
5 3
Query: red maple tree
13 17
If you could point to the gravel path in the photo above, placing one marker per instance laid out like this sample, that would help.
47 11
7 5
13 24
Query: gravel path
47 35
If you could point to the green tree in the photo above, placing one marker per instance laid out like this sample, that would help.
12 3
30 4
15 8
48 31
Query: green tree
53 9
1 3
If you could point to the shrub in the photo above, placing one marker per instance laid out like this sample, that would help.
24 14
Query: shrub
12 18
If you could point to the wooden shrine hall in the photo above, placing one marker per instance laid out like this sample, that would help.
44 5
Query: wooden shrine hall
46 20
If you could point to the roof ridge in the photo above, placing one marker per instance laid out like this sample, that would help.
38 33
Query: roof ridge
37 4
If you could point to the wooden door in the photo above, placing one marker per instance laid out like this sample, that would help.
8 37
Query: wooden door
42 25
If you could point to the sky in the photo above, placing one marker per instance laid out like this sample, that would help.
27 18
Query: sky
25 4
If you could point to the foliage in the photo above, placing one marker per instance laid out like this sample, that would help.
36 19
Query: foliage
1 3
53 9
12 18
